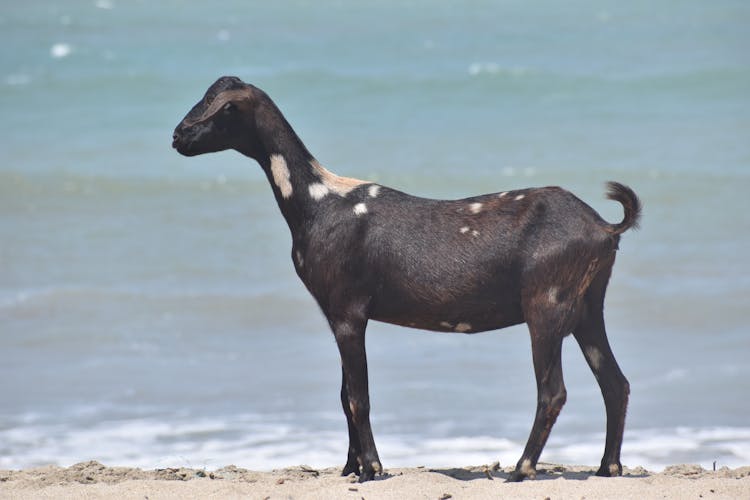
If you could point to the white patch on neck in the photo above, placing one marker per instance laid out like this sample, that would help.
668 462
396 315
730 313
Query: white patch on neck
475 208
360 209
462 327
280 173
335 184
318 191
519 197
373 190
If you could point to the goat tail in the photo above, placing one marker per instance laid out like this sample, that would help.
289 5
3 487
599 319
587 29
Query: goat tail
630 203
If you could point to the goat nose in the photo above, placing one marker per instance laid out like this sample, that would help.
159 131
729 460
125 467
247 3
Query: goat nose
175 139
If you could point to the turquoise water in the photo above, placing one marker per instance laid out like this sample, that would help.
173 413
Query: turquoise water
149 311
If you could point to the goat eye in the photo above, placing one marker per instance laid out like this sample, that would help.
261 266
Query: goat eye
228 107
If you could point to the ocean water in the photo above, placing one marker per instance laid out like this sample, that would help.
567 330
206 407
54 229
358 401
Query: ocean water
149 311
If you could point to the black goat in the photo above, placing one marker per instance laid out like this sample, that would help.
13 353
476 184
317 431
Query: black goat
365 251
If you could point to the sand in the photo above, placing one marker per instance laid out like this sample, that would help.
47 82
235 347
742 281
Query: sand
93 480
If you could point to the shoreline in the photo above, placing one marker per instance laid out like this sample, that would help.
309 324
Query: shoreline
94 480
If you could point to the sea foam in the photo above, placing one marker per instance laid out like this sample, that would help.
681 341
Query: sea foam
60 50
264 442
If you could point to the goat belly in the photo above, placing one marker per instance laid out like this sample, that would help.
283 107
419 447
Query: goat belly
465 315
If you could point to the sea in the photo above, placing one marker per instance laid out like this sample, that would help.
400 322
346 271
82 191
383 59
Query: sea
150 315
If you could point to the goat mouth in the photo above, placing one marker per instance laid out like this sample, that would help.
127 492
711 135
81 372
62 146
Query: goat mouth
183 148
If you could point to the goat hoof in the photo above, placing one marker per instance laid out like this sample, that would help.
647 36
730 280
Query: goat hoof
350 468
610 470
515 477
367 475
525 469
369 470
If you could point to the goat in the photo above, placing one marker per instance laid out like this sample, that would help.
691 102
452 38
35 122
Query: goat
369 252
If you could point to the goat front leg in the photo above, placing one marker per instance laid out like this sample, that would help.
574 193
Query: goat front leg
352 458
363 456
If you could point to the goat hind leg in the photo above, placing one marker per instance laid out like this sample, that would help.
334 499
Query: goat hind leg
592 338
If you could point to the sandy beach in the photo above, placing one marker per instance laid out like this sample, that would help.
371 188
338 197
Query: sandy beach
94 480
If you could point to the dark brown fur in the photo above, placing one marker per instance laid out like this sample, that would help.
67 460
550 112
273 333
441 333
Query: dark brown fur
539 256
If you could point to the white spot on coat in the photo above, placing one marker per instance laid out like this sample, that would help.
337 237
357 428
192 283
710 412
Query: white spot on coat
594 356
475 233
445 324
360 208
462 327
300 259
373 190
318 191
335 183
552 295
280 174
520 197
464 229
475 208
502 194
